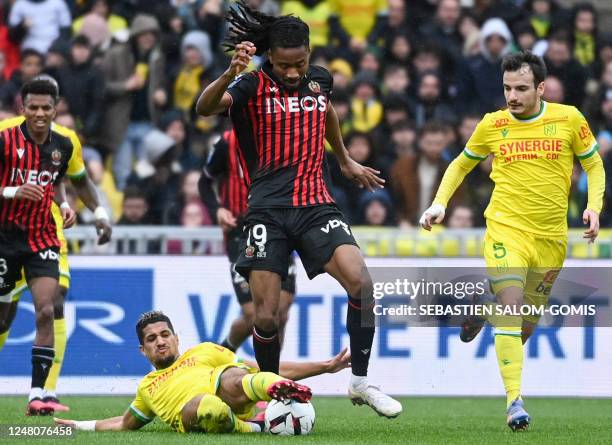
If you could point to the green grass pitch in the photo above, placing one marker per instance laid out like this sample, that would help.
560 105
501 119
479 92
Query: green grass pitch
425 420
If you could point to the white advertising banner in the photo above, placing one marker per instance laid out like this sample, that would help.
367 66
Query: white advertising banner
109 293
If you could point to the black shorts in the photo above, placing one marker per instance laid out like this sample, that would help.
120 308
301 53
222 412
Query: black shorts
16 253
272 234
233 242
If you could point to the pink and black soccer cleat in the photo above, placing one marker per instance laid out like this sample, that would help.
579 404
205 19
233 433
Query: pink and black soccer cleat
36 407
55 404
289 390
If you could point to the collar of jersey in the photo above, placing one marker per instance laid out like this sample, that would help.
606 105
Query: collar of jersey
533 117
267 70
26 135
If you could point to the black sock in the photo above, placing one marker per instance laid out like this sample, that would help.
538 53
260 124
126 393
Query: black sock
360 327
267 349
42 359
226 344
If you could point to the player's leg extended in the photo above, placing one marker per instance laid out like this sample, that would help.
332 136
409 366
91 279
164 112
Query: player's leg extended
265 288
286 299
43 290
207 413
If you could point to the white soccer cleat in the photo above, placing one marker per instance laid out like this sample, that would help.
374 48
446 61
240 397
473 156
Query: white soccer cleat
375 399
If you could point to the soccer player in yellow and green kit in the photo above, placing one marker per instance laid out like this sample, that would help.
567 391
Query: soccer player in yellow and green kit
533 144
205 389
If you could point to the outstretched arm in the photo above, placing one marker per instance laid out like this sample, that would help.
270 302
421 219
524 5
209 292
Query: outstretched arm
596 179
303 370
214 99
452 179
363 176
127 422
87 192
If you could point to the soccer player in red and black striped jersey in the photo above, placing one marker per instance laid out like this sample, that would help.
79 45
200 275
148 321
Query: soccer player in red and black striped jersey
229 207
34 159
282 113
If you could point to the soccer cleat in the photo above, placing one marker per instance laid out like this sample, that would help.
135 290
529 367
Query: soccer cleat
472 325
289 390
261 405
55 404
518 419
259 419
36 407
375 399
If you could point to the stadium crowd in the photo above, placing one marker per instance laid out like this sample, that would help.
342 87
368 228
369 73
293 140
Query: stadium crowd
412 78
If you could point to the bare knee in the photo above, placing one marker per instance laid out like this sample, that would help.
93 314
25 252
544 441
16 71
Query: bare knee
44 313
248 313
359 283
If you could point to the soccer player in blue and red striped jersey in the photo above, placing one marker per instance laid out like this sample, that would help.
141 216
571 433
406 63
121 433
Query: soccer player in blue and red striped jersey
282 113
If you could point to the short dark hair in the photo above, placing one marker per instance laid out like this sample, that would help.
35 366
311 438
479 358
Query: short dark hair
513 62
28 52
133 192
264 31
39 86
149 318
432 127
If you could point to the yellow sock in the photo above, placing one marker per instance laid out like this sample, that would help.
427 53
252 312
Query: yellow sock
59 332
215 416
256 385
509 349
3 338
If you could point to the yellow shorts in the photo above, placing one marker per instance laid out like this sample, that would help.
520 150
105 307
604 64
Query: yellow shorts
517 258
64 271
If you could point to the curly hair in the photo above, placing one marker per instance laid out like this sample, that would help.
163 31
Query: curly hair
149 318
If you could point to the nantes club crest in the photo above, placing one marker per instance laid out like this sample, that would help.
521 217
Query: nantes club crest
56 157
550 129
314 86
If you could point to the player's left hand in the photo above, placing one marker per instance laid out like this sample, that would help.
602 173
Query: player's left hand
104 230
341 361
362 175
591 217
69 216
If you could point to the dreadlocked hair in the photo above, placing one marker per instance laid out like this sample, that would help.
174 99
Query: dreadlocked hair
264 31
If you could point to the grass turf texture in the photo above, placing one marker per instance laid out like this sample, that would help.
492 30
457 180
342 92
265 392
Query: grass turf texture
424 421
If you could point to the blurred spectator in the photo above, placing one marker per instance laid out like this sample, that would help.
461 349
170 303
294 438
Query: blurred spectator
584 35
37 23
82 86
57 56
604 55
95 28
352 22
366 109
194 214
316 15
460 217
376 209
443 28
416 176
480 81
396 81
527 39
173 124
604 121
592 107
401 143
507 10
157 173
342 105
8 47
398 49
394 24
554 91
135 89
187 194
100 8
562 65
464 132
197 63
31 66
544 16
369 62
429 103
427 57
342 73
135 208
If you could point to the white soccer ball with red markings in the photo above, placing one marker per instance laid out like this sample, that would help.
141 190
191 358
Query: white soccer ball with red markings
289 418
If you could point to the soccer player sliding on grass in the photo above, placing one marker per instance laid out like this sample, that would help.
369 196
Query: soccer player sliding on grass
533 144
206 389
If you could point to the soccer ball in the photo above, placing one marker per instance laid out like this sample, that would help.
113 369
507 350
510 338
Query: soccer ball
289 418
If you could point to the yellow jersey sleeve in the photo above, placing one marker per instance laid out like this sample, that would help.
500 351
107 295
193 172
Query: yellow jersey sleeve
140 409
478 147
585 148
76 166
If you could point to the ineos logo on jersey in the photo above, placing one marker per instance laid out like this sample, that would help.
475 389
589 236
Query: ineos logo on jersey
296 104
49 255
335 223
24 176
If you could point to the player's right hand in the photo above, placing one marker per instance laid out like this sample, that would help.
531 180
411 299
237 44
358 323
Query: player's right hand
30 192
243 53
66 422
225 219
433 215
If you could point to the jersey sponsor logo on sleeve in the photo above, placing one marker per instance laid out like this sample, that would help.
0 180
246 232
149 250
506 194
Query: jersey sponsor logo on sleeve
585 133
